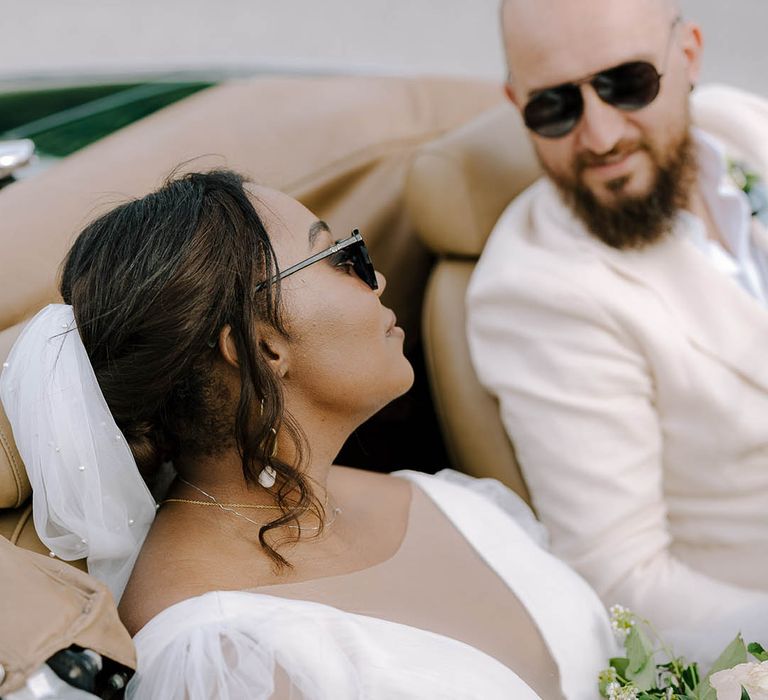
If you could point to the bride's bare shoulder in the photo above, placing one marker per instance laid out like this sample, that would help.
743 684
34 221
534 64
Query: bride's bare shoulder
170 569
345 478
370 496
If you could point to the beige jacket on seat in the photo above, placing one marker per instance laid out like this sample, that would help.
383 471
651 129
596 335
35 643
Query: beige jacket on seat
49 606
634 386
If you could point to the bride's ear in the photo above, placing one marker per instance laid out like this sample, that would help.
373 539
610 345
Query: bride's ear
272 345
274 349
228 347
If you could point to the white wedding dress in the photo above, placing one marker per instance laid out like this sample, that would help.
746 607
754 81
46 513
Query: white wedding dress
236 644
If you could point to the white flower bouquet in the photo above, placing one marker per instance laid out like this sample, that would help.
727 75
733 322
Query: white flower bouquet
638 676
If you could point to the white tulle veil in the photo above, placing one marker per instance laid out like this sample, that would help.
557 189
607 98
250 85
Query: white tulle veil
88 497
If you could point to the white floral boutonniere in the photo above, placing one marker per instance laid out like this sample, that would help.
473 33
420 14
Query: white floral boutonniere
752 185
638 676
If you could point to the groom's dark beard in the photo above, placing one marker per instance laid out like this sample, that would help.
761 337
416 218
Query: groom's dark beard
634 222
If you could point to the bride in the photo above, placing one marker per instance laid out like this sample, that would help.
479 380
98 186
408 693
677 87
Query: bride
219 327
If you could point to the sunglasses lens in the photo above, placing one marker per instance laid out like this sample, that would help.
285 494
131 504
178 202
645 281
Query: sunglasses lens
629 86
553 113
361 261
363 266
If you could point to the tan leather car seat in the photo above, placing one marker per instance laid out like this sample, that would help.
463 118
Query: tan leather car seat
457 188
340 145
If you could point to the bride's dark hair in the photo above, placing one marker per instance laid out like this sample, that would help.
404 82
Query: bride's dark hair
151 284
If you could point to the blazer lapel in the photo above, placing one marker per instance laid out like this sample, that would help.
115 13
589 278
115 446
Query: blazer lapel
717 315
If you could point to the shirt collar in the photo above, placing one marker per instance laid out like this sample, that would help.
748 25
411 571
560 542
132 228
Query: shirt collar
727 204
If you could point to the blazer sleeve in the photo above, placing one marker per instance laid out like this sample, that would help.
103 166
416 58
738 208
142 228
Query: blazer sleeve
577 400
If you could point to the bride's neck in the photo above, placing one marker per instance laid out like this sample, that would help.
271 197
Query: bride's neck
221 475
324 432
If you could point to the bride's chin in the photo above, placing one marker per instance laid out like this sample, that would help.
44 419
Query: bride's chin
408 379
398 388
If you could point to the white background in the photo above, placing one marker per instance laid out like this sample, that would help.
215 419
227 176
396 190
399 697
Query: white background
458 37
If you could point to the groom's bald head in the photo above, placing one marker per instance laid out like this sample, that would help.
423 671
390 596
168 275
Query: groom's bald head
561 35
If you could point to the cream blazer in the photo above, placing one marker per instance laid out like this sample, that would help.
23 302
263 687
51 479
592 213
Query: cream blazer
634 386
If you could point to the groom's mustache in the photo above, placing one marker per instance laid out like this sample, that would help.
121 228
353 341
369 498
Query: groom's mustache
622 149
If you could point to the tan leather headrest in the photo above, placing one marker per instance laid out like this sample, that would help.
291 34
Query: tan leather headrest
459 184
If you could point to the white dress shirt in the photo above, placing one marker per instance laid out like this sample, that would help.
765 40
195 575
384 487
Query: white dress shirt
730 210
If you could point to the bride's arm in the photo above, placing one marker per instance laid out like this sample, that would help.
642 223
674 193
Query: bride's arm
209 661
232 645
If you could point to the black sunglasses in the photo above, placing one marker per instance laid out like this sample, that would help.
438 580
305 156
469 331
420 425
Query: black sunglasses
555 112
348 251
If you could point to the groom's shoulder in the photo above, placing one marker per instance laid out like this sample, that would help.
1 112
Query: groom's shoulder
737 118
536 241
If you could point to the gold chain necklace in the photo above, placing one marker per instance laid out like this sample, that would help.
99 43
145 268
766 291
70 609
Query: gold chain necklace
230 508
225 505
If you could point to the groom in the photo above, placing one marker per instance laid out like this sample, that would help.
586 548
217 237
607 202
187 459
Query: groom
619 310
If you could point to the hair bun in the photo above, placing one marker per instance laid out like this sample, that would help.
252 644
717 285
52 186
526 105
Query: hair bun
147 447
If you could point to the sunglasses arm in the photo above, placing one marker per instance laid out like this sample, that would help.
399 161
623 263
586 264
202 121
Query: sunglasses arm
317 257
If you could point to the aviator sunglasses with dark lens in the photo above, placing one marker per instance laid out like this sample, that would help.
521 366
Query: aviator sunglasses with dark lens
555 112
349 251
